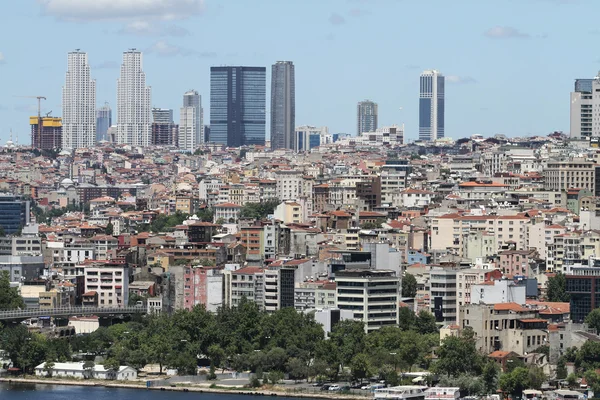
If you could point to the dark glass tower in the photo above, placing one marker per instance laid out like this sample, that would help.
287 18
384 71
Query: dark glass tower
237 105
431 106
283 105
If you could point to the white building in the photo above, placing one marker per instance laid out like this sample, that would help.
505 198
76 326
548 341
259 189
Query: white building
584 108
387 135
372 295
503 291
289 185
306 137
431 106
78 103
228 212
190 122
111 283
76 370
134 109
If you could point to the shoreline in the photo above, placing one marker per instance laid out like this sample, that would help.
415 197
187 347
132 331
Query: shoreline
196 389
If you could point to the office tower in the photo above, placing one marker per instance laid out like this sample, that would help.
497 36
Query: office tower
190 122
78 103
307 137
133 102
164 131
283 105
206 133
14 213
583 105
237 105
366 117
431 106
46 132
103 122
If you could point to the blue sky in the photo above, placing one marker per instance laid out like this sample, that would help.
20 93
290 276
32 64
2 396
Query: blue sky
509 64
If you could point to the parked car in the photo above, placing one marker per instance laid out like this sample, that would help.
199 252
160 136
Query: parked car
317 384
365 387
356 385
334 388
325 386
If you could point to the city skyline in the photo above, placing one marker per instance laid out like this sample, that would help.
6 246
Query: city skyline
495 54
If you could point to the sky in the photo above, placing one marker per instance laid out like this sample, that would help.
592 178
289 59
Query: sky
509 64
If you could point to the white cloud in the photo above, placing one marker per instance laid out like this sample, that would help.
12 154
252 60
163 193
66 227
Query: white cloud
2 59
505 32
461 80
336 19
94 10
145 28
165 49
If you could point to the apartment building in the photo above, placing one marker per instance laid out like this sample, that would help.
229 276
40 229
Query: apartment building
278 288
372 295
443 294
573 173
109 281
477 191
243 283
203 286
313 295
289 212
22 245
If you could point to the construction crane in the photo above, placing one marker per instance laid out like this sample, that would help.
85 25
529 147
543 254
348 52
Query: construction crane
38 139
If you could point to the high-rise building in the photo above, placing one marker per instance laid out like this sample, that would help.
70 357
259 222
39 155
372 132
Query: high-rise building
14 213
46 132
366 117
283 105
133 102
190 122
78 103
237 105
583 107
431 106
103 122
164 131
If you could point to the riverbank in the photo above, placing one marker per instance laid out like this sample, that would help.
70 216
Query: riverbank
275 391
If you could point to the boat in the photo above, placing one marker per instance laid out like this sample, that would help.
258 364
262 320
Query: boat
400 393
442 393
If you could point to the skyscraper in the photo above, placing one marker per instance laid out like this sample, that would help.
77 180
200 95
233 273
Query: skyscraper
46 132
164 131
237 105
190 122
583 106
133 102
366 117
283 105
78 103
103 121
431 106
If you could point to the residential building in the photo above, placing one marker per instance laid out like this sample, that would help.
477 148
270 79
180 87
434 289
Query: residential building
583 288
572 173
21 245
498 291
283 105
313 295
584 108
134 105
237 105
190 122
372 295
289 212
78 103
103 122
227 212
14 213
366 117
203 286
245 283
77 370
278 288
46 132
431 106
109 281
443 295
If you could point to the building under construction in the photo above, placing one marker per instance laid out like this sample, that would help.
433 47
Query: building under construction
49 135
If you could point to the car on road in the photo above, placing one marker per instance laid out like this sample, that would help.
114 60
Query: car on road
365 387
334 388
325 386
317 384
356 385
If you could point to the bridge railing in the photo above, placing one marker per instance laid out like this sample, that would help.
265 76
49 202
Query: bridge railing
51 312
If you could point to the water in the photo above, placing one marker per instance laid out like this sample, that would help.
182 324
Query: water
57 392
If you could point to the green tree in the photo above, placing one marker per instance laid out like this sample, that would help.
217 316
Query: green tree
112 365
275 376
514 382
571 380
49 368
259 210
32 353
297 369
109 229
216 354
593 319
561 369
348 336
88 369
360 367
206 214
459 355
425 323
406 318
556 288
10 299
489 377
409 285
535 377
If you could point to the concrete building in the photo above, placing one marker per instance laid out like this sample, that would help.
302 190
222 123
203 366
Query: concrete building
443 296
289 212
228 212
283 105
244 283
203 285
22 268
372 295
278 288
431 106
134 105
76 370
110 283
366 117
584 108
22 245
14 213
78 103
308 137
312 295
191 127
499 291
165 132
329 317
46 132
573 173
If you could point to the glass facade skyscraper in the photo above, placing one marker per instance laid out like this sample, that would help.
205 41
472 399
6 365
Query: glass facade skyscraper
431 106
283 105
366 117
237 105
14 213
103 121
